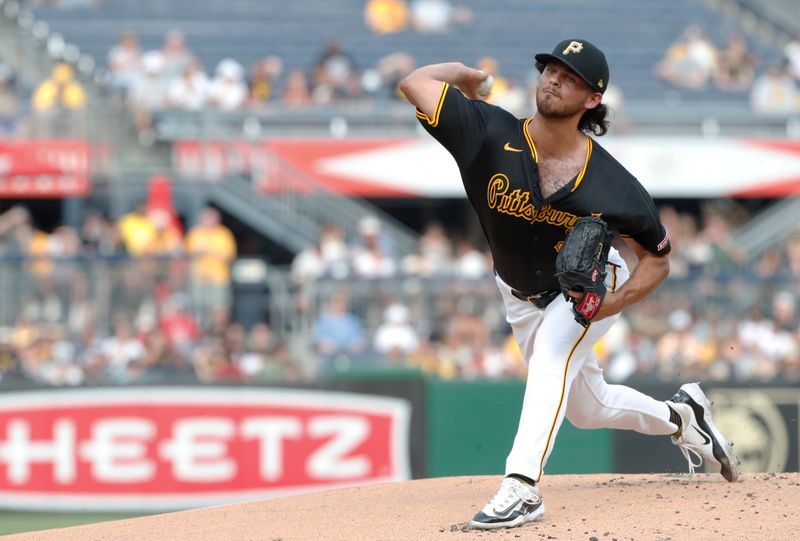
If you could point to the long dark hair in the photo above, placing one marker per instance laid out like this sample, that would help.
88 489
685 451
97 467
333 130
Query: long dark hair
595 120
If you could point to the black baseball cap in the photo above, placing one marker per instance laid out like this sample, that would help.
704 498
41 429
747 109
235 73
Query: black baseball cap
583 58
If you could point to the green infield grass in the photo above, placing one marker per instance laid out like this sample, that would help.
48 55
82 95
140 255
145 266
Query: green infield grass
16 522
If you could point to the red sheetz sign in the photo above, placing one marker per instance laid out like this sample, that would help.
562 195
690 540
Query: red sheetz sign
44 168
170 448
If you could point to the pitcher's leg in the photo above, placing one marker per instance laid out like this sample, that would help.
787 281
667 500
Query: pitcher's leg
559 350
593 403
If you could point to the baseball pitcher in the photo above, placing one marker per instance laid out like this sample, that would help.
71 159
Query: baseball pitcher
550 199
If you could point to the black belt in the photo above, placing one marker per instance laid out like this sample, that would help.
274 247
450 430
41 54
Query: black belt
540 300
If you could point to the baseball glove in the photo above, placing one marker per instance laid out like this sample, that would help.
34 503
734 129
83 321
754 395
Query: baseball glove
581 266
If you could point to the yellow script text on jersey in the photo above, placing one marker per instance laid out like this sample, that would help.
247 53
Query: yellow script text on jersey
517 203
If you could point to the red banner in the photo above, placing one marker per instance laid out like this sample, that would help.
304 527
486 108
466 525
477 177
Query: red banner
170 448
44 168
679 166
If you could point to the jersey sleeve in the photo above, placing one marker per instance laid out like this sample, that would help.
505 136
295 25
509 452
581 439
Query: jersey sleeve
644 224
458 123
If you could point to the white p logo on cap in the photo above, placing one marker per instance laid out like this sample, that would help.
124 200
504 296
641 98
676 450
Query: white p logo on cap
573 47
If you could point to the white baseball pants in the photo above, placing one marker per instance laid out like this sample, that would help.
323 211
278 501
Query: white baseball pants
565 379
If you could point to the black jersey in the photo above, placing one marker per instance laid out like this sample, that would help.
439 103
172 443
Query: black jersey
498 164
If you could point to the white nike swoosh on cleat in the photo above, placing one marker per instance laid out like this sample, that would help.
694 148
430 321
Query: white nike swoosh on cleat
507 510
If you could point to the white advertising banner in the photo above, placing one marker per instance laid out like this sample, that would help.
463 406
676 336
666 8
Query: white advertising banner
172 448
420 167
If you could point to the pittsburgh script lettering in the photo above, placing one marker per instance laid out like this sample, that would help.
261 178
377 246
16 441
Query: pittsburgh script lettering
517 203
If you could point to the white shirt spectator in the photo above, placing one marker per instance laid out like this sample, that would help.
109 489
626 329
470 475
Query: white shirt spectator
149 93
228 91
125 62
395 336
470 263
702 52
792 54
373 263
432 15
190 91
774 93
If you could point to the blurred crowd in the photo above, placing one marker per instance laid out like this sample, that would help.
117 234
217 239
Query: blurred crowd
173 78
720 316
695 62
140 300
118 301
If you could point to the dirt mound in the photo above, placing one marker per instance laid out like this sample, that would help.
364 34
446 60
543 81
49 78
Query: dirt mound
579 507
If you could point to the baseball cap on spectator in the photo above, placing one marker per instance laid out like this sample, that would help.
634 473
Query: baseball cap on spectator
230 69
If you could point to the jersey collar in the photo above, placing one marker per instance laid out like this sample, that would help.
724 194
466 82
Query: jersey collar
535 155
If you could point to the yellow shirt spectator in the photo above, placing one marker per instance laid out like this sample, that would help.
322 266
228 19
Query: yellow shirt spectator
38 251
60 90
136 230
386 16
212 248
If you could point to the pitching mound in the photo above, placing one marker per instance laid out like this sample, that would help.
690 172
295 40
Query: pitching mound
582 507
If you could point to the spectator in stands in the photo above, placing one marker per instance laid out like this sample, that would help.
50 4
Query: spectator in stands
163 239
179 327
190 91
370 259
438 16
99 236
792 54
64 250
296 92
327 257
263 73
212 248
465 341
135 229
9 101
81 310
384 80
735 69
386 16
723 252
434 255
120 353
470 262
770 264
793 255
48 357
59 93
266 359
125 62
337 332
690 61
157 263
395 338
175 54
335 74
228 91
148 95
774 93
16 231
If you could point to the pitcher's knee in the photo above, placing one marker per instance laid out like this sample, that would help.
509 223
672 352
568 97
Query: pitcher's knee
584 419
